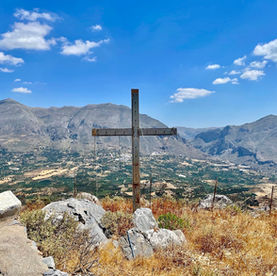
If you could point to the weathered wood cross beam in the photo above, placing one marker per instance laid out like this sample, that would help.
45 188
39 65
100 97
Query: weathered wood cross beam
135 132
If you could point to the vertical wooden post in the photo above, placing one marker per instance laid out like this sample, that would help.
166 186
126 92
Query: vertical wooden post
135 149
151 191
271 200
215 188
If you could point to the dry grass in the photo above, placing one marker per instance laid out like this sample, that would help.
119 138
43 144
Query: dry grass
222 242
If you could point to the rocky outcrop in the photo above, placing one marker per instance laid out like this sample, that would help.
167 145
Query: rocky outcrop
221 201
9 204
144 220
17 255
88 215
146 237
134 244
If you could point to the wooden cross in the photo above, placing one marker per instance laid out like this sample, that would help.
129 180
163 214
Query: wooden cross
135 132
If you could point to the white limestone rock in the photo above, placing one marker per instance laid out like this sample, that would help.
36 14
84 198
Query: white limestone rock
144 220
134 244
9 204
221 201
162 238
88 215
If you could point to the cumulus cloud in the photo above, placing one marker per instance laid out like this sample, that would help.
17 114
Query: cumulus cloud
233 72
8 59
96 27
34 15
6 70
267 50
80 47
213 67
252 74
23 90
189 93
258 64
225 80
240 61
17 80
29 36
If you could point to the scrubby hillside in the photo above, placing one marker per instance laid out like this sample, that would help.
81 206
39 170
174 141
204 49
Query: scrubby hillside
223 242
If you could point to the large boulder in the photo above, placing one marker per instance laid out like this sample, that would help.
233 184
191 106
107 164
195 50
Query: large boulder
88 215
144 220
17 255
146 236
221 201
163 238
134 244
9 204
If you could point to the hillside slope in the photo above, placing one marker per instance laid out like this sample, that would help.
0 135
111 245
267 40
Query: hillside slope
251 142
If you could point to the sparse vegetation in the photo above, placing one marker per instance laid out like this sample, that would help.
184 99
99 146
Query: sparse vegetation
71 248
116 223
223 242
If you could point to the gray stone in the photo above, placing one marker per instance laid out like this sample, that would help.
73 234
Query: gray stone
163 238
9 204
17 257
221 201
55 272
49 261
144 220
88 215
134 244
89 197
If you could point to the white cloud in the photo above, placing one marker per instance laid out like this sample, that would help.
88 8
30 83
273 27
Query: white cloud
6 70
189 93
258 64
29 36
23 90
267 50
234 72
8 59
213 67
222 80
91 59
234 81
252 74
27 82
80 47
17 80
22 14
96 27
240 61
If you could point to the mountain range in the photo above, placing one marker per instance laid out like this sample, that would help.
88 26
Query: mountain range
24 129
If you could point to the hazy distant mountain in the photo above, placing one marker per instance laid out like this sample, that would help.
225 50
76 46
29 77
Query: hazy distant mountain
190 133
251 142
24 128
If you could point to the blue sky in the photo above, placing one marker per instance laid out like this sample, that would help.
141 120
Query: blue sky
196 63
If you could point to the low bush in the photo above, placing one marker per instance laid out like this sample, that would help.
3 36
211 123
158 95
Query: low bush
172 222
61 239
116 223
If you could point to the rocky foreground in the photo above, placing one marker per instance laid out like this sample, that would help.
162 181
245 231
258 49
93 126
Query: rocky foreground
171 238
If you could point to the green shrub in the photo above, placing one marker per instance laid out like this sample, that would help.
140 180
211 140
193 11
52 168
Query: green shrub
172 222
62 239
116 223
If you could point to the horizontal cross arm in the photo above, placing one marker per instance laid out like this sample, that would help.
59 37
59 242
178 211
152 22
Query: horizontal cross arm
111 132
128 131
157 131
